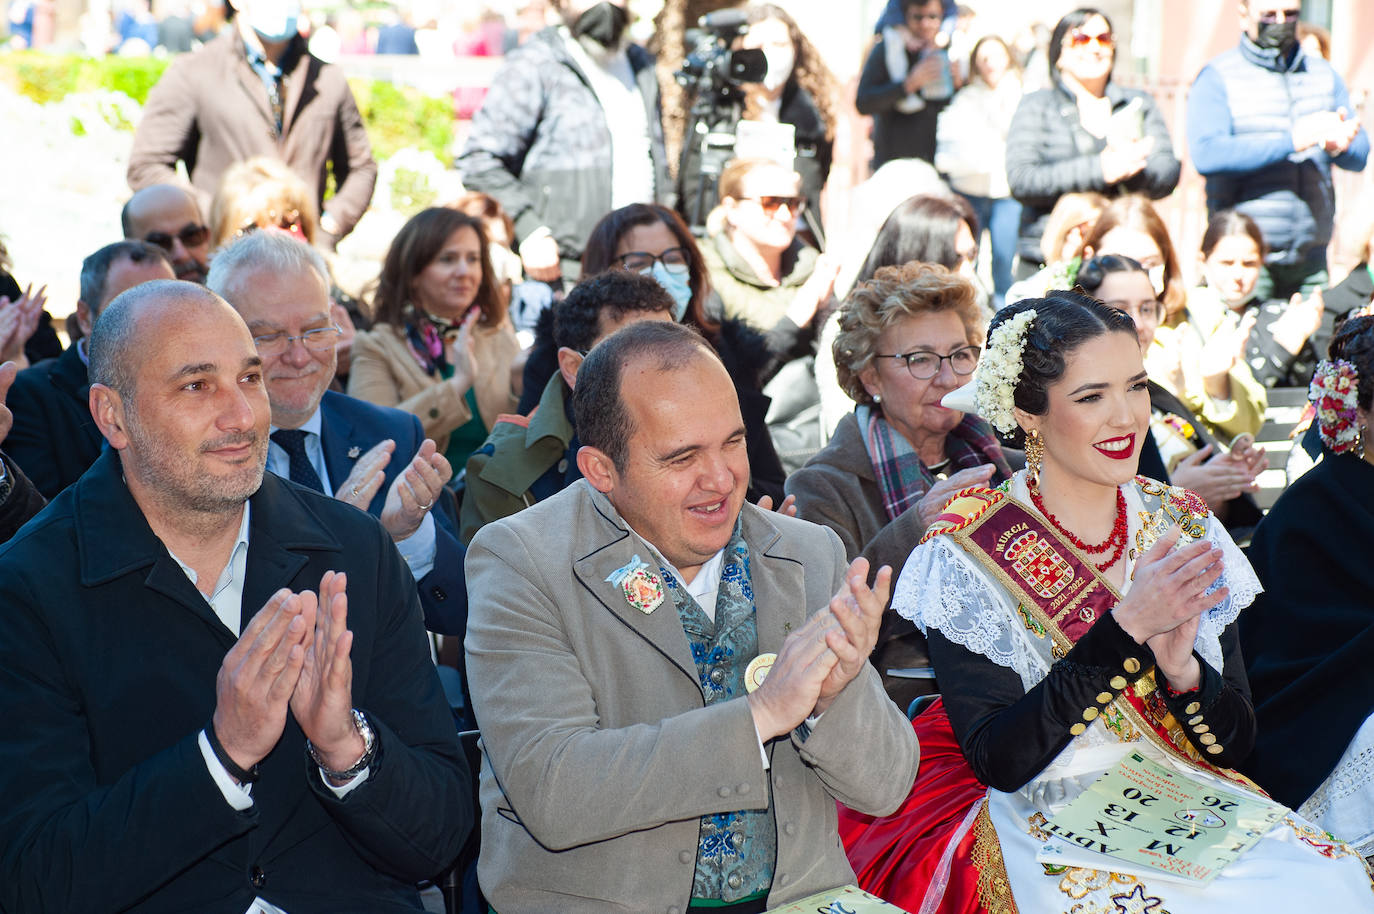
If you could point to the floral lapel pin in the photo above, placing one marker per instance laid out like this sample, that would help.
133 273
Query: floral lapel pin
642 587
353 452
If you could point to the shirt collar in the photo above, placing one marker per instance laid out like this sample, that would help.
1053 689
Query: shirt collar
311 426
240 543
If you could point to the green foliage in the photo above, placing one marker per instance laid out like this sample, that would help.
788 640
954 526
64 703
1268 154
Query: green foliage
48 78
395 116
398 116
412 192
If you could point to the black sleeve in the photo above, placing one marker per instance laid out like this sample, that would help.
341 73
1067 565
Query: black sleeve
1009 735
22 502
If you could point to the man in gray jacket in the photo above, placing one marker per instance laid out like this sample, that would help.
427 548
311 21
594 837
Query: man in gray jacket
672 685
569 131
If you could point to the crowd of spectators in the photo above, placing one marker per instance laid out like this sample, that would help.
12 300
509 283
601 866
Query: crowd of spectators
620 459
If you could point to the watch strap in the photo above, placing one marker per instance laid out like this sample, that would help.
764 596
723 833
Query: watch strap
237 772
362 764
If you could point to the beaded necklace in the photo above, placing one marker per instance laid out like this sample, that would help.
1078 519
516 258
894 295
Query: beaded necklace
1116 541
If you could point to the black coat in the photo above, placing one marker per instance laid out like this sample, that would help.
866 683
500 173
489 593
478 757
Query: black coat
22 503
896 134
54 437
1050 154
742 349
1307 638
1355 291
108 662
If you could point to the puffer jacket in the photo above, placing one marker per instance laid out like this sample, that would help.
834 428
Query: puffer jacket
1049 154
541 146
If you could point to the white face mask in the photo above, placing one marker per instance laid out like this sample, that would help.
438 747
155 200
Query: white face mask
275 20
1156 275
780 63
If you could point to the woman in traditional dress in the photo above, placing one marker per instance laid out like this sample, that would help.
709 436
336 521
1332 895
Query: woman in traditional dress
1308 637
1079 617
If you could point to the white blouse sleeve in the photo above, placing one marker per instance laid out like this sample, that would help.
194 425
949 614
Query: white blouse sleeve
943 588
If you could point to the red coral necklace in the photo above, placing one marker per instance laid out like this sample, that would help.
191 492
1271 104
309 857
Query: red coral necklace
1116 542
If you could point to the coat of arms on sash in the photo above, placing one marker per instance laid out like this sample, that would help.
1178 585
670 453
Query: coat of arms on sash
1037 563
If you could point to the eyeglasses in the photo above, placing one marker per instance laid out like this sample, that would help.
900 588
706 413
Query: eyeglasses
674 260
771 204
1079 39
190 236
924 364
1146 312
926 17
320 339
1269 17
289 222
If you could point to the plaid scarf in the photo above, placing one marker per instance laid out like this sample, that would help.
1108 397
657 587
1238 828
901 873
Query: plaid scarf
903 478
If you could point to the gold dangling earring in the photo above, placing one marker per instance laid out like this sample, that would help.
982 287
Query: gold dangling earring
1035 453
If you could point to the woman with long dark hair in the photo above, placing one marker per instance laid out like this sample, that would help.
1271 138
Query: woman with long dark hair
441 345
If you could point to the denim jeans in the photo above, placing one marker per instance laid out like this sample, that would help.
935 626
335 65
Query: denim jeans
1001 216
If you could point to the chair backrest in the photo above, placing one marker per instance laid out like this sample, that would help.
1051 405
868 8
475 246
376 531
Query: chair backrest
462 874
1286 405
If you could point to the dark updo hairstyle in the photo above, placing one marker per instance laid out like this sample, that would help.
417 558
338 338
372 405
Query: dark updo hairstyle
1354 342
1228 223
1063 321
1096 270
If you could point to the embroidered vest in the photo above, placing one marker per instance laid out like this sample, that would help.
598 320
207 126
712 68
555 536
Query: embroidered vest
737 850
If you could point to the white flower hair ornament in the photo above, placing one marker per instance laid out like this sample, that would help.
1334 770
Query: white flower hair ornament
1334 393
998 371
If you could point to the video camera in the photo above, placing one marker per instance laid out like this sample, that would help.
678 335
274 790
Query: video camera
712 68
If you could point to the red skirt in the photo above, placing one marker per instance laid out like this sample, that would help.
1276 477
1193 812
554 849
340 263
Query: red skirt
921 857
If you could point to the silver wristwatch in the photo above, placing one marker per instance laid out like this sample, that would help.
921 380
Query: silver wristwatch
6 482
358 767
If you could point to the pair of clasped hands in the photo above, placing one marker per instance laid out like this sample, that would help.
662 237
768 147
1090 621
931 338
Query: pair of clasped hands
294 655
1168 596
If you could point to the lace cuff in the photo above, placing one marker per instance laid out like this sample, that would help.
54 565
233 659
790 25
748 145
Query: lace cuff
942 588
1244 586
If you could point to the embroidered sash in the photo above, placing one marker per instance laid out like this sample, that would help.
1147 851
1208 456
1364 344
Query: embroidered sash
1060 595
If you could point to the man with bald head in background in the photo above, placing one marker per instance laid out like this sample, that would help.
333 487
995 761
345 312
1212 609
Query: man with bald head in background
167 215
216 685
54 437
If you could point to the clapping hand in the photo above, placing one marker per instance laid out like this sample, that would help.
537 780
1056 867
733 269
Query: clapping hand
322 701
938 495
8 371
1298 322
1167 598
258 675
819 659
1218 477
414 491
367 476
788 506
18 321
1120 163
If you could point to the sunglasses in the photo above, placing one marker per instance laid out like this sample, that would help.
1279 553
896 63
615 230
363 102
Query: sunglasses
190 236
1079 39
771 205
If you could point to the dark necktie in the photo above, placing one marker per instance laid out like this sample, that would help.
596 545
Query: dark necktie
292 440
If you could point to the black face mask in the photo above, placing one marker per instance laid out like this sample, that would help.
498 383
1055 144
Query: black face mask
603 23
1280 36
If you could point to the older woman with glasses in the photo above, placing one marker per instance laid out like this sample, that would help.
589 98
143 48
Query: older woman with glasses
908 336
1086 133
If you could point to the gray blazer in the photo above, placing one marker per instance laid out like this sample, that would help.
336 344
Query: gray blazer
599 755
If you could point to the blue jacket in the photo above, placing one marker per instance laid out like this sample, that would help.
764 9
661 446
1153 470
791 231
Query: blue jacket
1241 111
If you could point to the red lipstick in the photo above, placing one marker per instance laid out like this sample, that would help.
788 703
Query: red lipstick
1121 448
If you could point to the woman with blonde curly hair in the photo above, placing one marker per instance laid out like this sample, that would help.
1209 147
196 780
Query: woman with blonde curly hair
262 192
908 336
